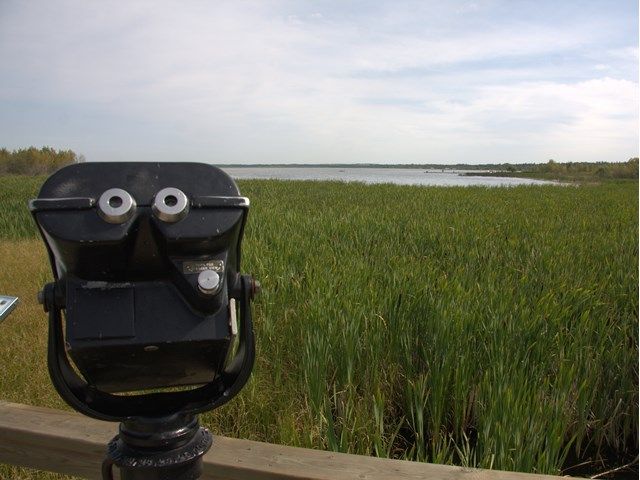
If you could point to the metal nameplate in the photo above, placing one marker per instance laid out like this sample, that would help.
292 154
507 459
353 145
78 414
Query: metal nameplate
198 266
7 304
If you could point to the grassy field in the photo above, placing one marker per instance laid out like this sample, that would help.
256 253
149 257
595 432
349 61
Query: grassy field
489 327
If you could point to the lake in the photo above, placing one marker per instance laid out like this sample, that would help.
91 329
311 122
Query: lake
400 176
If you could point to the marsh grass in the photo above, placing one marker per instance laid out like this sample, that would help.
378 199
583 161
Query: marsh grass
492 328
15 219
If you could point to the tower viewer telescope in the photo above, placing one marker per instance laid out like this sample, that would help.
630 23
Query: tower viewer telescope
157 320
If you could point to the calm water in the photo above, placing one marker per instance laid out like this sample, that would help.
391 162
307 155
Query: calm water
400 176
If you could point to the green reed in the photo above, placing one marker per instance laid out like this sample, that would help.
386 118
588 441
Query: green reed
485 327
15 219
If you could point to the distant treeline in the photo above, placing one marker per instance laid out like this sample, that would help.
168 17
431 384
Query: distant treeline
615 170
35 161
421 166
570 171
46 160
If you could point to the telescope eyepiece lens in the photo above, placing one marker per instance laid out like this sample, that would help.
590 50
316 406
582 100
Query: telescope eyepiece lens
170 205
116 205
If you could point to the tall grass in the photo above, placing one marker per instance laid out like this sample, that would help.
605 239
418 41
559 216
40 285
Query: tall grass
483 327
15 219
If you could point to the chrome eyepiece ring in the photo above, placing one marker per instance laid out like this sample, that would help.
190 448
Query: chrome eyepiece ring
170 205
116 205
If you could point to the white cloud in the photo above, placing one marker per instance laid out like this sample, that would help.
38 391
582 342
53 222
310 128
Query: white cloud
255 81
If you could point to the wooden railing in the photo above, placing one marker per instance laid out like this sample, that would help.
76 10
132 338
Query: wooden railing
69 443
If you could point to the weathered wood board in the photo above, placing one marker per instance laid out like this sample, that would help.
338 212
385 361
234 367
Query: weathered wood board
69 443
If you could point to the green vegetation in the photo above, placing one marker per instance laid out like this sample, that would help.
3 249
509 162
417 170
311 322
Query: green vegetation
15 219
489 327
34 161
600 170
571 171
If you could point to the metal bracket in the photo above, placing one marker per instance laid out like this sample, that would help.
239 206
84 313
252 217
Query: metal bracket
7 304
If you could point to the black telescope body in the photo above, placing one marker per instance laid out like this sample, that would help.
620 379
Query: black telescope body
136 317
146 266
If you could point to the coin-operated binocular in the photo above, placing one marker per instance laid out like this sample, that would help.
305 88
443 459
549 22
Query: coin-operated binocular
157 318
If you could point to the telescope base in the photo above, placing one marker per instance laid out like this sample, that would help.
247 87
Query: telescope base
169 448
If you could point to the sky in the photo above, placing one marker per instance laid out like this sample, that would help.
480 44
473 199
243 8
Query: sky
322 81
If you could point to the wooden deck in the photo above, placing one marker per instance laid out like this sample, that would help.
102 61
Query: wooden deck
69 443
